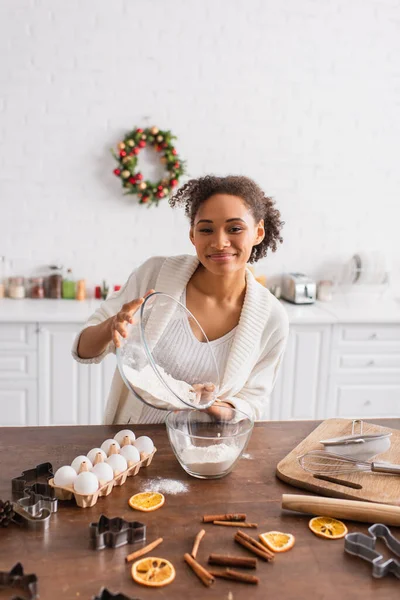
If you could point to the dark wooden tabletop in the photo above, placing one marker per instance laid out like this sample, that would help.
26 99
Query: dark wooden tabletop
68 568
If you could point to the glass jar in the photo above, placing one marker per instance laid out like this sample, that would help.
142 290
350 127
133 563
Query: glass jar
16 287
54 282
37 287
80 289
2 276
68 286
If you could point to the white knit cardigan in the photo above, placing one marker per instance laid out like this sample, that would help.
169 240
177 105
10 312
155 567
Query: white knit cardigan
256 351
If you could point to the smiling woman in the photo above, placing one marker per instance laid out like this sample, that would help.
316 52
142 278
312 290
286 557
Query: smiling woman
232 222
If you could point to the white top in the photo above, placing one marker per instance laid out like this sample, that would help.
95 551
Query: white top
188 358
255 354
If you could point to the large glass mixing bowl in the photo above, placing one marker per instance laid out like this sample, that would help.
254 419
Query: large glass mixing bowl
166 360
208 446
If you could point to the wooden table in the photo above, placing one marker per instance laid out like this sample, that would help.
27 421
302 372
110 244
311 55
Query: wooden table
68 569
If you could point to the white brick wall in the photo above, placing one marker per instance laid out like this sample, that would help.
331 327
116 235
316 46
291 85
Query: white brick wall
302 95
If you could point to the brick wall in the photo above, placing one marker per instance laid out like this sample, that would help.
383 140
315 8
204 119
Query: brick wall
302 95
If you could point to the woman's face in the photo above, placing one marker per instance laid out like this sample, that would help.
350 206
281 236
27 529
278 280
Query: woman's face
224 233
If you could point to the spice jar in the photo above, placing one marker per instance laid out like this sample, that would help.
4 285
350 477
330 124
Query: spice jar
37 287
16 287
54 282
80 289
3 276
68 286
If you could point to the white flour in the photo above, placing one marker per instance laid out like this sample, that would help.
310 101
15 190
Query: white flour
165 486
150 388
247 456
209 460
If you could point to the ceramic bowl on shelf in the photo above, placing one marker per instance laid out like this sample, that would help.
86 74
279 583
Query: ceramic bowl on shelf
166 360
209 444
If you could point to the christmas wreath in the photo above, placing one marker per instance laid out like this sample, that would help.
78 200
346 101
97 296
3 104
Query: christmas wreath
132 180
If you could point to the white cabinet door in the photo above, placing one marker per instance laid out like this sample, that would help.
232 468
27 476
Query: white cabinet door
70 393
63 383
100 382
18 403
302 380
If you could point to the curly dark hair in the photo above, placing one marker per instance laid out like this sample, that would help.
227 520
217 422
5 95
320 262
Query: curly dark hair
196 191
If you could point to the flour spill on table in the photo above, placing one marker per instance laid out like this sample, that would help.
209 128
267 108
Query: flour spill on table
247 456
165 486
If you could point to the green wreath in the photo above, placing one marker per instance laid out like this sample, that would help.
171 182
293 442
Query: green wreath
132 180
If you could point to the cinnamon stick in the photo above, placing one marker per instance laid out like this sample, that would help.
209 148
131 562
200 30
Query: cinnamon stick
205 577
197 541
253 549
236 524
255 543
143 550
232 561
235 576
227 517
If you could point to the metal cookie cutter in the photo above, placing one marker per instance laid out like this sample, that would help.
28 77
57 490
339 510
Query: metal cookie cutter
363 546
30 477
37 497
115 532
16 578
104 594
22 517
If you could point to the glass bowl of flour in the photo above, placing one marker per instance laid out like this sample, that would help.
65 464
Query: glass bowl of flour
166 360
208 445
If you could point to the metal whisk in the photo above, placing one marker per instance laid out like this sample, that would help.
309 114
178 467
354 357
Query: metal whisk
320 462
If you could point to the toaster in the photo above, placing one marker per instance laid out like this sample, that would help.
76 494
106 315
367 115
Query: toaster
298 288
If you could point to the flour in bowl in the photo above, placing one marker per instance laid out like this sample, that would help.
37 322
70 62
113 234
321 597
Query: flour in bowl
209 460
147 385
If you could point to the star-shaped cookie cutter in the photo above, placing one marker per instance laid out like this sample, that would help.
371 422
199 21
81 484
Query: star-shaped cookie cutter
29 477
16 578
363 546
115 532
105 594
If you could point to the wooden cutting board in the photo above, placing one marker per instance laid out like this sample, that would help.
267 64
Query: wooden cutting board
373 487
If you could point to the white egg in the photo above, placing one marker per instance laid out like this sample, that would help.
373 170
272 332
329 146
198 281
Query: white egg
144 444
86 483
93 454
65 476
77 462
103 472
107 446
124 433
131 454
117 463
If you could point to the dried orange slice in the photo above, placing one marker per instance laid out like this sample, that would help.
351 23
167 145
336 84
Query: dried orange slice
147 501
153 572
327 527
276 541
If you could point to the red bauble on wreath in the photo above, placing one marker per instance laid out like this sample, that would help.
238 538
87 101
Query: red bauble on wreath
132 180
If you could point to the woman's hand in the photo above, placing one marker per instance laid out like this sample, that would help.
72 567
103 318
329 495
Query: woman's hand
124 316
221 410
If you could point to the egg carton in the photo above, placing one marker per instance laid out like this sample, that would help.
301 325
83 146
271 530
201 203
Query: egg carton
89 500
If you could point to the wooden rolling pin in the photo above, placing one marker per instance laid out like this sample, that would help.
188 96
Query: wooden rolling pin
354 510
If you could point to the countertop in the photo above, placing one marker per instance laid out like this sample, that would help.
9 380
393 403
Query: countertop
344 308
68 568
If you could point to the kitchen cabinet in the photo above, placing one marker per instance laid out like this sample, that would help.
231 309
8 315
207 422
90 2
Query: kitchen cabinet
364 373
70 393
301 382
41 384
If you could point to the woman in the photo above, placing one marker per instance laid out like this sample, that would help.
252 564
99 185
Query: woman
232 223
